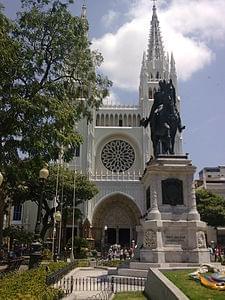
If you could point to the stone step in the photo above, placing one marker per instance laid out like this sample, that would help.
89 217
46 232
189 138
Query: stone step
132 272
143 265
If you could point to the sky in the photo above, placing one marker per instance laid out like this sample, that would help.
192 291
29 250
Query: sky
194 31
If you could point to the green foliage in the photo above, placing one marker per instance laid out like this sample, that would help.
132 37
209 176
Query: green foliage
94 253
30 284
19 234
83 263
80 247
33 189
112 263
48 82
54 72
130 296
46 254
211 207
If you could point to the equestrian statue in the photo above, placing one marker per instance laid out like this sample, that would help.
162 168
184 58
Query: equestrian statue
164 119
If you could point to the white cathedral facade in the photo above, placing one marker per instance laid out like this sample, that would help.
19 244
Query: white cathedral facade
114 154
116 148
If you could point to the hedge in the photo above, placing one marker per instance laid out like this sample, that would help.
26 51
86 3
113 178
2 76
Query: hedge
30 284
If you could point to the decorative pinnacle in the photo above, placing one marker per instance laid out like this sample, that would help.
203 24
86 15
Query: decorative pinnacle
84 10
154 2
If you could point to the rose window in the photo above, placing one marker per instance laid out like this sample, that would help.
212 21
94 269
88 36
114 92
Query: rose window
118 156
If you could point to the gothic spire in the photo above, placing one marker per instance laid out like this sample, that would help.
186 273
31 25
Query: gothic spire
84 11
172 65
84 15
155 46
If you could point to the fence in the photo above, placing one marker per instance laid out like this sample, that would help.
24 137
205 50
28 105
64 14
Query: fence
58 275
103 284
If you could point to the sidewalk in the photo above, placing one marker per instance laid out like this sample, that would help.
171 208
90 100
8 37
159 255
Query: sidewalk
85 273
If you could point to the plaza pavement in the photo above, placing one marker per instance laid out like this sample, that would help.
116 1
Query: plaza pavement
85 273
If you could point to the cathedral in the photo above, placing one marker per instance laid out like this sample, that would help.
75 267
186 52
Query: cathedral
116 148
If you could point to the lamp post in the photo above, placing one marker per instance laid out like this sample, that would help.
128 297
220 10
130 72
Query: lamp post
57 219
43 175
36 246
106 239
73 217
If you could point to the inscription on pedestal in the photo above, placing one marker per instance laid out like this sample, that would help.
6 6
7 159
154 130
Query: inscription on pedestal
174 239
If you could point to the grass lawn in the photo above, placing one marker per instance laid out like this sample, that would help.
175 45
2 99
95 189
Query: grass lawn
192 289
130 296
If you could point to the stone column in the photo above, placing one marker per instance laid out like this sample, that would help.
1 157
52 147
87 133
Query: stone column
193 214
154 213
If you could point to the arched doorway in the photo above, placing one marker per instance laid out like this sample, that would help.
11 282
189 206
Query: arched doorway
115 219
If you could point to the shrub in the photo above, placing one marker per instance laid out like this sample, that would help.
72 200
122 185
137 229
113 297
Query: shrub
46 254
30 284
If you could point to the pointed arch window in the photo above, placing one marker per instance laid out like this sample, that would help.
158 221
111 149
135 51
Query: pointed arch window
97 120
150 93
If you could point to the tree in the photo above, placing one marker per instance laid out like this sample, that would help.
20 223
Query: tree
48 81
33 189
18 234
211 207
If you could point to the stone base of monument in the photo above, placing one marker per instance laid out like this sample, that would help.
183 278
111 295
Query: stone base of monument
174 242
171 231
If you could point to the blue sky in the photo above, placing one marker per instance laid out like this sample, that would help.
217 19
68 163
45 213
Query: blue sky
195 31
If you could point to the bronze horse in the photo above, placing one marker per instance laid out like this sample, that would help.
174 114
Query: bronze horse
164 119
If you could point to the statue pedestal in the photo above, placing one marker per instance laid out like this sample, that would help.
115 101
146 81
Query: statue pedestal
171 231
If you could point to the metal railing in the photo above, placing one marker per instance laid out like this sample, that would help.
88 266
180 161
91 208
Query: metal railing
104 285
58 275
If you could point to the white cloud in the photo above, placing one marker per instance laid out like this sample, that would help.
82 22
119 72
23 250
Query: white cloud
188 28
109 18
112 99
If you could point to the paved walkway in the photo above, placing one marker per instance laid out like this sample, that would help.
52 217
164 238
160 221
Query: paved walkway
85 273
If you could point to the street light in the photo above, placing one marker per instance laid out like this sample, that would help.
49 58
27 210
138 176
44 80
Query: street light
36 246
43 175
73 217
106 239
57 219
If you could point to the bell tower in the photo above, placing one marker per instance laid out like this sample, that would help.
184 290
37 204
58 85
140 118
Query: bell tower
157 65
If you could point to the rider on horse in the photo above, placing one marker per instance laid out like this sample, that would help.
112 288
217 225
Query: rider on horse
164 119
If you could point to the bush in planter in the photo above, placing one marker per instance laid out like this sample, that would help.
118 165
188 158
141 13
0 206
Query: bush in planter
80 247
46 254
30 284
94 253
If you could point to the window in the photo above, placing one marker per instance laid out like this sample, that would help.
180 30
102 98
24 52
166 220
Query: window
118 156
17 213
77 151
120 123
148 198
150 93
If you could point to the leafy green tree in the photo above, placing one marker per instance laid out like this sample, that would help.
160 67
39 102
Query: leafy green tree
48 82
33 189
19 234
211 207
